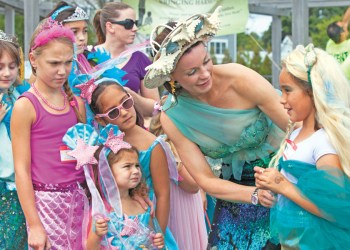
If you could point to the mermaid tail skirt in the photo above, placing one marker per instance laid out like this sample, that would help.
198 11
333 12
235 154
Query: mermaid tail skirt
63 214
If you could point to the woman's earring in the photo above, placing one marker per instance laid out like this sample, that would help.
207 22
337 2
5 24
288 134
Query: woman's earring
173 90
172 85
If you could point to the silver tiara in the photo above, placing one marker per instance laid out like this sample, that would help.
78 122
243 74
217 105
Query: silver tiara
5 37
78 15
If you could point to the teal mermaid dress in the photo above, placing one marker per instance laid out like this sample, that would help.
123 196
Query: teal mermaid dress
327 188
145 162
13 233
233 141
127 231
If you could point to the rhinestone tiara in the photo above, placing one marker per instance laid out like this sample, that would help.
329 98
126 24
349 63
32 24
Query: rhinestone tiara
6 38
78 15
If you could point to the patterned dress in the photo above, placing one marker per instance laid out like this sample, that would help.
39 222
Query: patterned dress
13 233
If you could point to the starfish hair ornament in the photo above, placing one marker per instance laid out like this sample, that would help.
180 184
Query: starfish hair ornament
116 143
86 88
200 27
112 138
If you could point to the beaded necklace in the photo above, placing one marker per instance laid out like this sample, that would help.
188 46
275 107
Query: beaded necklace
49 104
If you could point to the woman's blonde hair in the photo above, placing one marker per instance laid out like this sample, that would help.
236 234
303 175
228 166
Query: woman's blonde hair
319 73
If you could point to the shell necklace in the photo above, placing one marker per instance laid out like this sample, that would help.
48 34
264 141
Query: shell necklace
49 104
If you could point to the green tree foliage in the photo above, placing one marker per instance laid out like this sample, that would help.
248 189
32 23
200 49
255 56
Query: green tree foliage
19 27
212 55
255 62
227 58
319 19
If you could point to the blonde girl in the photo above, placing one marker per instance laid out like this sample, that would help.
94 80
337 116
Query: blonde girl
310 173
49 188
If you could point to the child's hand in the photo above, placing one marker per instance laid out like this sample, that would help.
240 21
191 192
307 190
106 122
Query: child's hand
101 226
270 179
4 108
158 240
37 238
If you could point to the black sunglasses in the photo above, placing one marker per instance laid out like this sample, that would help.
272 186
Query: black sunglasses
127 23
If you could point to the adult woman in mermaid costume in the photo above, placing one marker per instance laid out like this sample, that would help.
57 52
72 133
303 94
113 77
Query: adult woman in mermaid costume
225 112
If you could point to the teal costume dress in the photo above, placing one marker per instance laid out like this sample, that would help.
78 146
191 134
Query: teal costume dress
329 190
127 231
327 187
13 234
145 162
234 141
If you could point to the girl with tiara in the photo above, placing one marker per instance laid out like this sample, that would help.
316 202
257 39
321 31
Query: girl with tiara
116 29
310 173
120 162
49 188
77 20
111 104
186 217
13 234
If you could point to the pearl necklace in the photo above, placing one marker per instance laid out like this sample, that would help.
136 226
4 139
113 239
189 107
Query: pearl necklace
49 104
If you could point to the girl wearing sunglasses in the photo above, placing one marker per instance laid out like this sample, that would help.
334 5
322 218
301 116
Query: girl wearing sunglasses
116 28
111 104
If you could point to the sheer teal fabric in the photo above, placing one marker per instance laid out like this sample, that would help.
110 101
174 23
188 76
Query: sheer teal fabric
329 189
236 136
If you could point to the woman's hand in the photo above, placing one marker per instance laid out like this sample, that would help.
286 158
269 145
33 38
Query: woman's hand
145 202
266 198
270 179
101 226
204 199
37 238
158 240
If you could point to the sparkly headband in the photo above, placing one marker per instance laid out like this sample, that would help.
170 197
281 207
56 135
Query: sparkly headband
197 28
78 15
7 38
50 30
58 11
310 60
